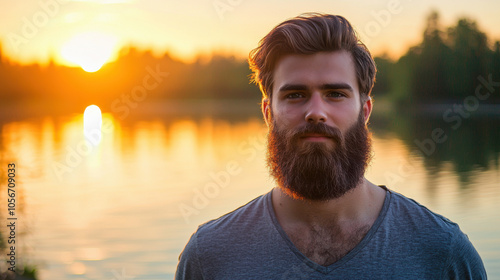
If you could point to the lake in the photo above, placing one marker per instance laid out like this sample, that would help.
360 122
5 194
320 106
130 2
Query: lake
125 208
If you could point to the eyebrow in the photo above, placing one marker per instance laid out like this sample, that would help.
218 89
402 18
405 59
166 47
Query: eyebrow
291 87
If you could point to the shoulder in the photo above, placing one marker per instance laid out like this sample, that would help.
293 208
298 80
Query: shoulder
415 215
238 220
463 261
435 235
419 226
411 228
217 241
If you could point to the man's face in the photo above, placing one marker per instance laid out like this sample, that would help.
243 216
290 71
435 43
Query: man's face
318 142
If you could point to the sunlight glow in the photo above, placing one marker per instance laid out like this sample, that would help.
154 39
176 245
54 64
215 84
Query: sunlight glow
103 1
92 122
90 50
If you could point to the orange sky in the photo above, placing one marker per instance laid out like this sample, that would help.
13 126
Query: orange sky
73 31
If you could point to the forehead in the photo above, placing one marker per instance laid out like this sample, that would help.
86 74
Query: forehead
315 70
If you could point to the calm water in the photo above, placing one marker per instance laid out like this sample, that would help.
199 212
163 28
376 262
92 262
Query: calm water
126 207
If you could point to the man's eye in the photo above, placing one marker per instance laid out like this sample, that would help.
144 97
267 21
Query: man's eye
336 94
294 95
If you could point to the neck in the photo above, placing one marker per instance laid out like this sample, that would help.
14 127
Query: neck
360 205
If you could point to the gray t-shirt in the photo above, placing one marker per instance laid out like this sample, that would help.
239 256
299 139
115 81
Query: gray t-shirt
407 241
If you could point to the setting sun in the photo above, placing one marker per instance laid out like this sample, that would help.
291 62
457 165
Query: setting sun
89 50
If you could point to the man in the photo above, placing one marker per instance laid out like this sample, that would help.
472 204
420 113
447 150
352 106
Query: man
324 220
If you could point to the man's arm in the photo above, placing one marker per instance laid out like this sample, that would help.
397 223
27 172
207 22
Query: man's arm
189 266
463 262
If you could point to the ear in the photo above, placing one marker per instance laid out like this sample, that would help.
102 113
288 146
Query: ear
265 106
367 108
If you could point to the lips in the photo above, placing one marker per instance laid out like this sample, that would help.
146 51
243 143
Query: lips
315 135
319 132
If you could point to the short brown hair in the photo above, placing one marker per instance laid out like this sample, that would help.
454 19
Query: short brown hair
309 34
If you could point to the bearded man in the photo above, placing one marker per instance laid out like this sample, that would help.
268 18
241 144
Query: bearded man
324 220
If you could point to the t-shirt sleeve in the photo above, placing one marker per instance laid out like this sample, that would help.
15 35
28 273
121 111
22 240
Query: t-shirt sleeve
189 266
463 262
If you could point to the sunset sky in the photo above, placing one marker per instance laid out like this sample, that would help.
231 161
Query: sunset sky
79 31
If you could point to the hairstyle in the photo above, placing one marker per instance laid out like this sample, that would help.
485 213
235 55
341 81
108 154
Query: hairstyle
311 33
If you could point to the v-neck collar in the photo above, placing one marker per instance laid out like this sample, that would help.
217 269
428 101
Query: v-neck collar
344 259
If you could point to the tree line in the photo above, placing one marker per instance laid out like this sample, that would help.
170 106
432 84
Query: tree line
442 69
446 66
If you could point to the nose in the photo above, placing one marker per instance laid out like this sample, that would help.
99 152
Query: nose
316 111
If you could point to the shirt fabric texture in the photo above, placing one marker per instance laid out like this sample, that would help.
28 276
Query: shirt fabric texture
407 241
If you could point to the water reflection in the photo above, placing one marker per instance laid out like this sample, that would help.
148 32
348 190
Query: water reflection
471 145
93 212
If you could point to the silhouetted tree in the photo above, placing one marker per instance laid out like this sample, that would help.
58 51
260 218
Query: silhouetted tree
470 55
429 81
495 63
384 72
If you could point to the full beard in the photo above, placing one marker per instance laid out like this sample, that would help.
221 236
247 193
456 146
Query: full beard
318 171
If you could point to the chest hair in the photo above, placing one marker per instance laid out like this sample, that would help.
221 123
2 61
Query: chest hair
325 246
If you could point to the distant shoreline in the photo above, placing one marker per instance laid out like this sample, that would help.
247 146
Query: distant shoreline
194 107
440 109
215 107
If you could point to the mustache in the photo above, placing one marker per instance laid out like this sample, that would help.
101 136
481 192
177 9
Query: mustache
318 128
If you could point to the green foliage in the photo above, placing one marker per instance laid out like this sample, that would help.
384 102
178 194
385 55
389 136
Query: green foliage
494 65
30 272
384 73
429 79
444 67
470 54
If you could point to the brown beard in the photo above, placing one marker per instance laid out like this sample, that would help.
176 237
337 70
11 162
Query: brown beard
314 170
